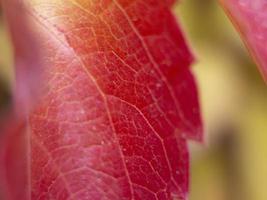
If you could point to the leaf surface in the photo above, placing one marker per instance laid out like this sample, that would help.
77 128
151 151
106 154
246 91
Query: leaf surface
118 104
250 18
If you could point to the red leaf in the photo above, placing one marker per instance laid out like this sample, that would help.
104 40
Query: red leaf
250 18
14 161
119 104
14 141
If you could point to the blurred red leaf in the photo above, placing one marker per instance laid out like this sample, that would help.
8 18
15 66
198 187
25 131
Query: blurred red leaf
250 18
14 141
117 105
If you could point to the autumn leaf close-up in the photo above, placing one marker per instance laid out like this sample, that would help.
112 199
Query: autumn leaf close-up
133 99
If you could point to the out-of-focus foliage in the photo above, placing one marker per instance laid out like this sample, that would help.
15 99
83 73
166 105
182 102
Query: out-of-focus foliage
6 57
5 62
233 163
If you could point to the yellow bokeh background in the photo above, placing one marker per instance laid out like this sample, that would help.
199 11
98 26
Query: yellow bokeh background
232 164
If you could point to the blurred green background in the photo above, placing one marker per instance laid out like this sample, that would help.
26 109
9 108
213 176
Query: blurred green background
232 164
